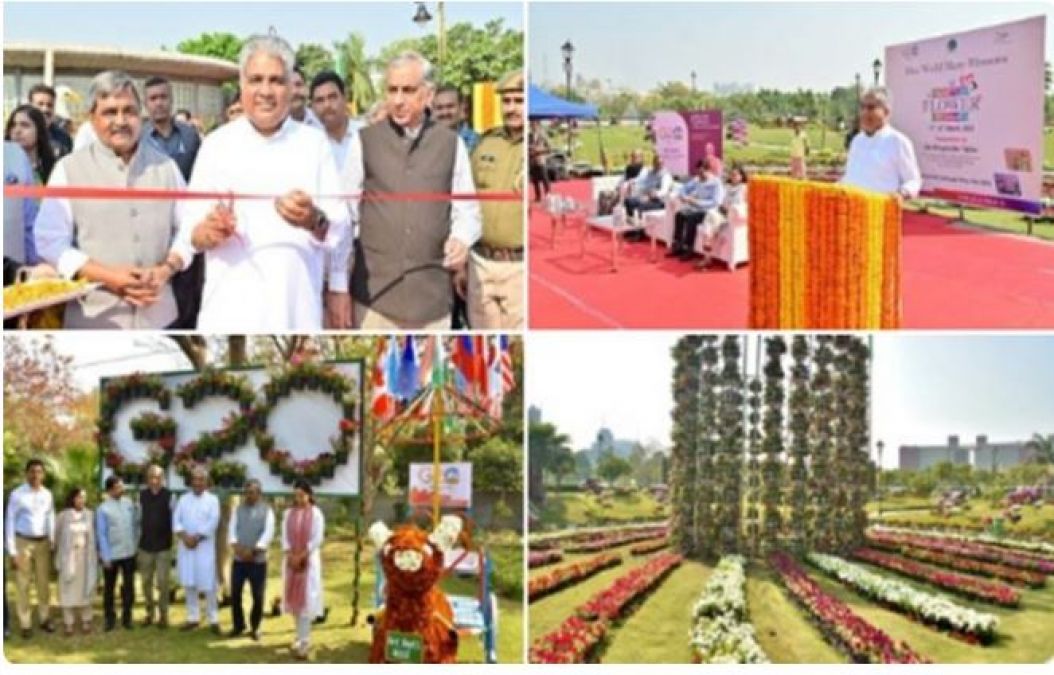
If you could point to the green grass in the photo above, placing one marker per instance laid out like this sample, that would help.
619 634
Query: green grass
569 509
333 642
783 630
1035 521
1004 221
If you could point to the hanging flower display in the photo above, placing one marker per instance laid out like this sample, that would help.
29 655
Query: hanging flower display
823 256
120 390
212 382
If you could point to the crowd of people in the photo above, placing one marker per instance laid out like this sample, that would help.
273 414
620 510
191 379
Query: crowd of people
126 537
370 224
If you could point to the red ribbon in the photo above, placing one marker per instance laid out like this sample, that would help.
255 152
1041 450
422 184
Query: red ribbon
125 193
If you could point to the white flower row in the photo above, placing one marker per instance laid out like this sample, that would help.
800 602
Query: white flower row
981 538
934 608
724 592
720 633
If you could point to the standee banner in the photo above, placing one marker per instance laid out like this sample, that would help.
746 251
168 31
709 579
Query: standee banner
681 137
972 104
455 485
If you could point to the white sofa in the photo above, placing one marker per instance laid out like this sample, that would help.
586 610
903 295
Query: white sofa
732 245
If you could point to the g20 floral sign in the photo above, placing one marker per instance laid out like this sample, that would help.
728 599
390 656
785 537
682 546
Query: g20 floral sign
302 421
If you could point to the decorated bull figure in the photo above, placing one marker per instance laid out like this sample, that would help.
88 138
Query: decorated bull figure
416 621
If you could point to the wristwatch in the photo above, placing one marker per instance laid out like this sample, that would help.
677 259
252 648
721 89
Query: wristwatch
321 224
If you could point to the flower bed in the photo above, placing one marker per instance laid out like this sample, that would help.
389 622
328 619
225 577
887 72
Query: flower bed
933 610
576 640
967 586
985 569
650 546
602 542
840 626
1040 548
965 549
720 633
614 601
542 558
579 535
569 575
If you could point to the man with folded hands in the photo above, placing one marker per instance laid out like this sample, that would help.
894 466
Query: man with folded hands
131 247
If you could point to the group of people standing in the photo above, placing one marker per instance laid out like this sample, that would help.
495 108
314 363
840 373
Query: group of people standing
338 246
124 537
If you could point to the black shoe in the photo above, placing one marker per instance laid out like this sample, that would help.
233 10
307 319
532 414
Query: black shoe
255 635
673 253
127 625
215 628
47 627
235 632
188 627
110 625
26 633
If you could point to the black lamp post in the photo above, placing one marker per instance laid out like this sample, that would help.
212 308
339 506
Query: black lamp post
693 81
876 68
858 102
567 50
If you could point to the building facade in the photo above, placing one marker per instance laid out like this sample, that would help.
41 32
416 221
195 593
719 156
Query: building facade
982 454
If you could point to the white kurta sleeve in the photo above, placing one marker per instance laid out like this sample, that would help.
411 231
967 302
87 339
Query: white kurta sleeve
232 528
212 518
268 534
336 210
202 178
53 231
177 517
318 527
350 183
908 168
181 245
285 530
466 222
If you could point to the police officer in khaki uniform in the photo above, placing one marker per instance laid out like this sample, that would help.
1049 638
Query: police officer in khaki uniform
495 267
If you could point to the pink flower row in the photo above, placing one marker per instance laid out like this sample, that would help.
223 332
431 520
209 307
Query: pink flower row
986 552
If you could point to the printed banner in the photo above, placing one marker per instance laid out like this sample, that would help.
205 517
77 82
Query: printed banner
455 485
681 137
972 104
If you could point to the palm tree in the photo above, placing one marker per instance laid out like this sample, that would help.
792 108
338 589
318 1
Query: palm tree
544 445
357 69
1042 448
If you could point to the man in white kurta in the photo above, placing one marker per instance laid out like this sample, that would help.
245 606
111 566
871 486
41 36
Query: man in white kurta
265 257
881 159
194 523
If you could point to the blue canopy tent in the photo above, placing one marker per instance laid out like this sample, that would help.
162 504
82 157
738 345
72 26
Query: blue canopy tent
543 105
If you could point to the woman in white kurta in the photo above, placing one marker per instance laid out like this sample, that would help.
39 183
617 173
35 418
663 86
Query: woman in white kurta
75 561
302 532
194 522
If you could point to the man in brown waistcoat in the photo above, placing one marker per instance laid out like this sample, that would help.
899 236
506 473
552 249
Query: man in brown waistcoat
131 247
407 246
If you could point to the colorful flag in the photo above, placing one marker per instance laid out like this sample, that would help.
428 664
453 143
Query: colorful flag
382 405
407 383
424 368
508 375
495 383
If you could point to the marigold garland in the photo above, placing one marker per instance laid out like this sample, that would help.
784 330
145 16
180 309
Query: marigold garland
823 256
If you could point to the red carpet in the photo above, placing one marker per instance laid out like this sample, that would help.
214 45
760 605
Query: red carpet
954 278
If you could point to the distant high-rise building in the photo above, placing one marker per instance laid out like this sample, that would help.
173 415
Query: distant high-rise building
534 415
980 455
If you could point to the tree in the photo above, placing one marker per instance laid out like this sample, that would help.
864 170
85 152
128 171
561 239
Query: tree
611 467
544 443
219 45
1042 448
497 466
583 465
356 67
562 465
472 54
313 59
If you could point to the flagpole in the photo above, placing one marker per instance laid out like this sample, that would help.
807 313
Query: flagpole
437 434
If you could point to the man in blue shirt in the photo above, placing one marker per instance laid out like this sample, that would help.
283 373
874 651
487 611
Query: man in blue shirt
447 109
117 530
698 196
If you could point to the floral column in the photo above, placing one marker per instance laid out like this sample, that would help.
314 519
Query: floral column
685 436
799 409
730 448
705 531
822 477
772 443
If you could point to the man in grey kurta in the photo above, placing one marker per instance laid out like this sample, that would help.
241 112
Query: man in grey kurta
117 532
251 531
131 247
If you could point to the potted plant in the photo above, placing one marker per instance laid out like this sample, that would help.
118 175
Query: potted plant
340 449
327 464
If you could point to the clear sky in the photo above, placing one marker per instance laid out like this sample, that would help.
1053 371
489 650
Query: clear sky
151 25
783 45
926 387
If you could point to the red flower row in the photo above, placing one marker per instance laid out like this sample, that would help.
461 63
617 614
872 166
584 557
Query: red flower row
574 641
606 541
967 586
569 575
986 552
612 602
651 546
838 623
547 557
979 567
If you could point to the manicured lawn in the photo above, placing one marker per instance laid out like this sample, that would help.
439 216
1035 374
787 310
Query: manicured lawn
783 630
1005 221
334 641
569 509
1034 521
